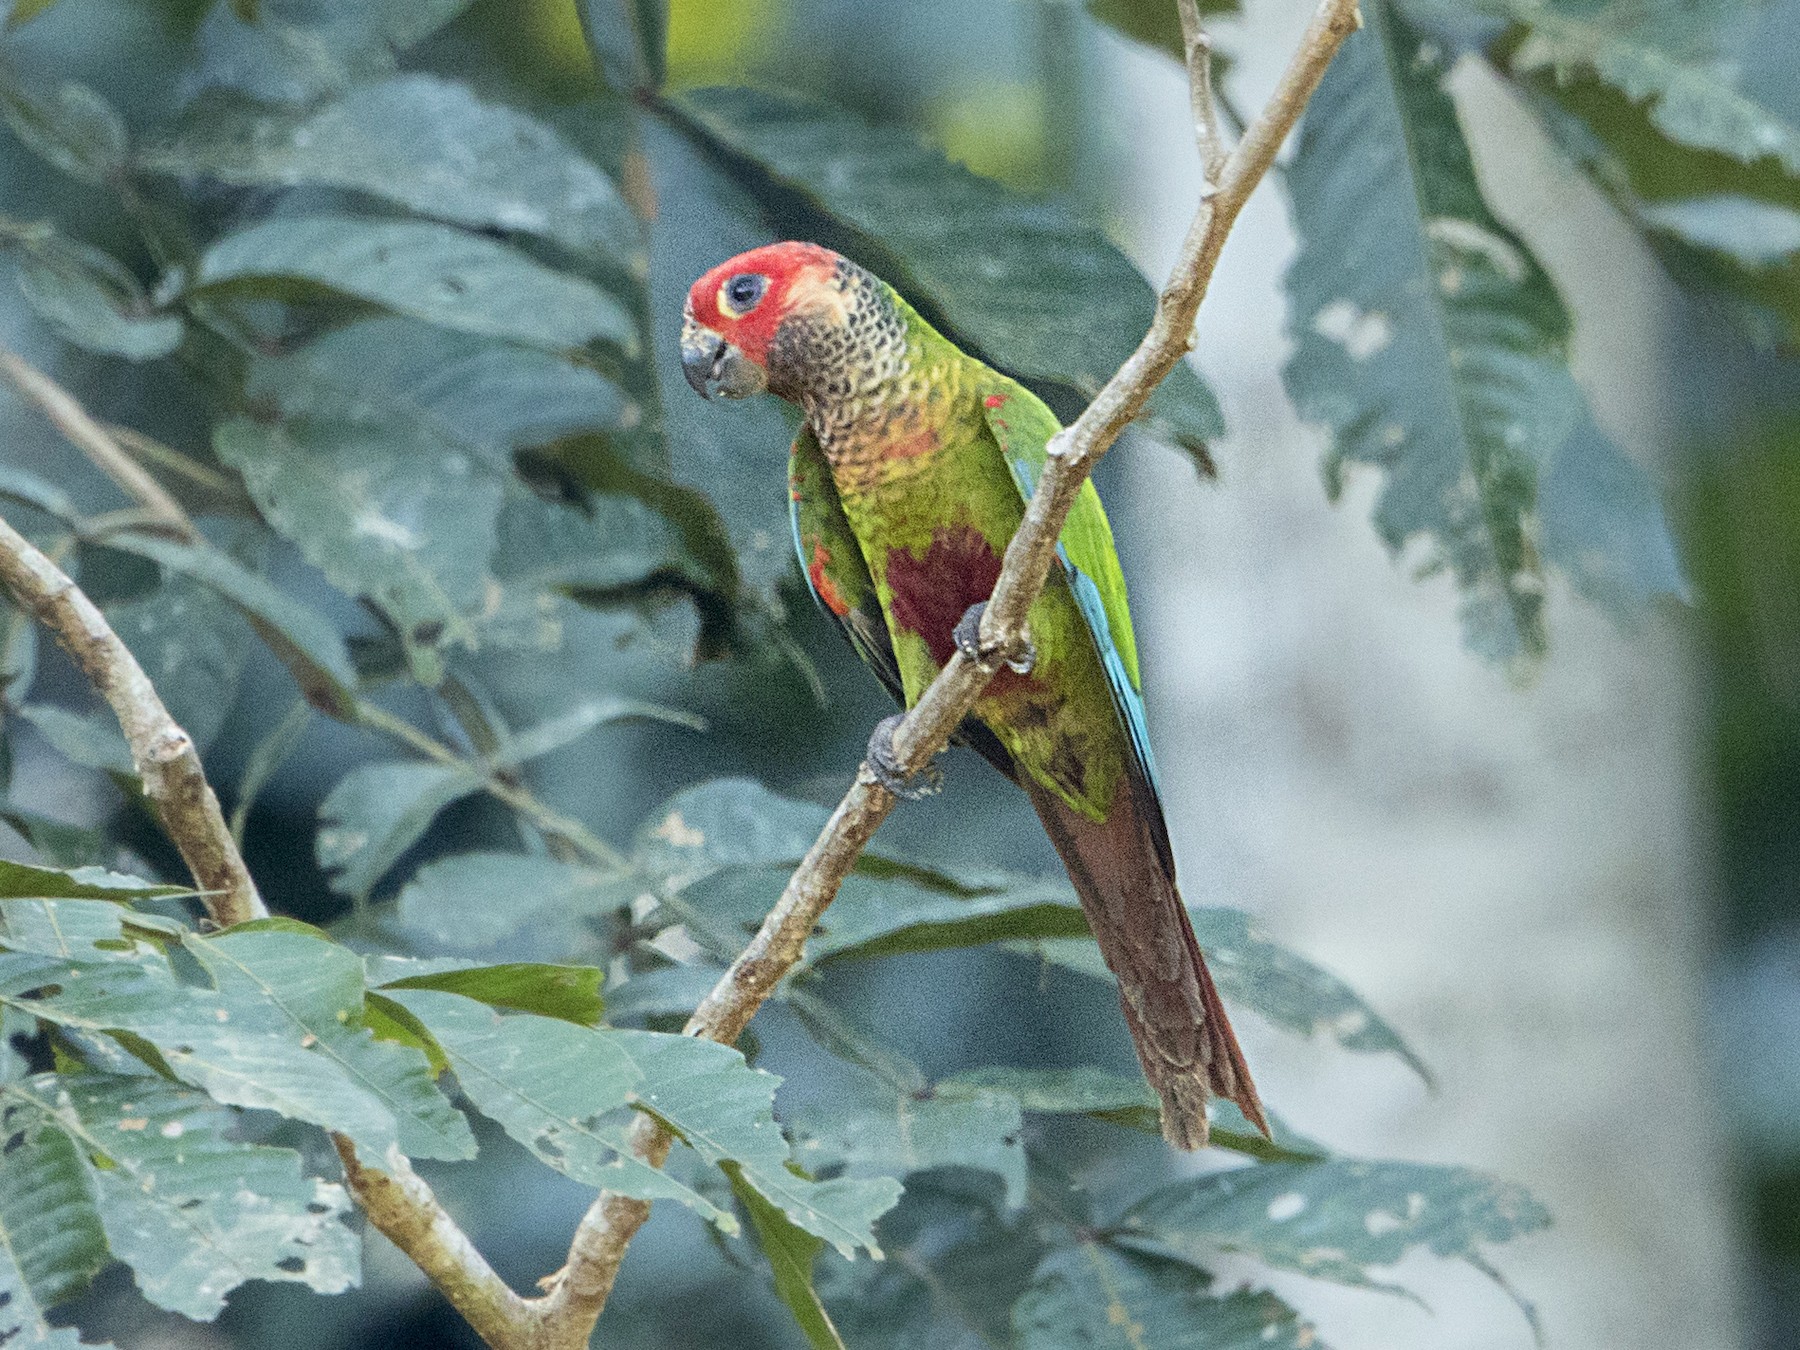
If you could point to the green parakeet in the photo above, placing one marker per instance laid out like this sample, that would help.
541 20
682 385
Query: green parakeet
907 480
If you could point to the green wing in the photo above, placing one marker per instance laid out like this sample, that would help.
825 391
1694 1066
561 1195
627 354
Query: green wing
832 561
1023 426
837 574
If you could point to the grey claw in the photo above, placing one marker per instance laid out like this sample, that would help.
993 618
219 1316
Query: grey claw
887 770
967 636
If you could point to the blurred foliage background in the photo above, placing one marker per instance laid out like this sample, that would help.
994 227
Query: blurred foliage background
388 294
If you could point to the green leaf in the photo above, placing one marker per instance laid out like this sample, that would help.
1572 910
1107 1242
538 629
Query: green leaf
791 1252
727 822
1092 1297
548 1083
1725 221
1024 282
565 728
872 1129
436 273
93 741
416 140
571 993
78 929
66 123
311 990
22 881
630 41
1333 1219
1427 336
378 811
1649 54
51 1242
90 298
474 901
890 916
194 1211
304 640
1284 987
237 1050
1125 1100
192 645
295 50
382 509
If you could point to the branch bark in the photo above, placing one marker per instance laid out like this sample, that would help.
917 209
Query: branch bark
579 1291
161 752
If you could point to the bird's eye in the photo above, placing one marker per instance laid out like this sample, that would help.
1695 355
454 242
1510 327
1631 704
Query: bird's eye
740 294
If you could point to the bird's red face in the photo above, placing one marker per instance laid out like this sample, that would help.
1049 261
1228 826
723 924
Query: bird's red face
734 311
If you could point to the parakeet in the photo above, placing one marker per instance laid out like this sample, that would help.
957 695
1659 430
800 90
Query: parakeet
907 480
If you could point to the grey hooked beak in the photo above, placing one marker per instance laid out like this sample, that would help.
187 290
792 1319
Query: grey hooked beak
714 367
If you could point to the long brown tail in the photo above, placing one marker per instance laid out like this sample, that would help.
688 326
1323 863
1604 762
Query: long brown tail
1127 889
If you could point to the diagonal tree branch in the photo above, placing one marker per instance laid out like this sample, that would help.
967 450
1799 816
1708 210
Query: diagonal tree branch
579 1291
161 752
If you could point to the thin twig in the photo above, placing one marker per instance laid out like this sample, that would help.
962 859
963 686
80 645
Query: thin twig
161 752
496 785
94 441
579 1291
1207 136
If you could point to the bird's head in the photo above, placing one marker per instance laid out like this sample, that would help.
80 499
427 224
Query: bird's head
750 316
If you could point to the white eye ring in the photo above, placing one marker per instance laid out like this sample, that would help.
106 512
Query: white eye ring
740 294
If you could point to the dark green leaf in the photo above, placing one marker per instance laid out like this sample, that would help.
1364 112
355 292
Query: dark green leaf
473 901
67 123
93 741
90 298
377 812
1725 220
425 143
304 639
192 645
1286 988
630 41
51 1242
1333 1219
1427 336
436 273
382 509
20 880
1126 1100
791 1252
890 916
293 50
1091 1297
571 993
1030 286
194 1211
550 1083
872 1129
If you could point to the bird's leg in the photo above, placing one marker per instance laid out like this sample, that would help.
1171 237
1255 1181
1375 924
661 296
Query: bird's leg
886 766
967 636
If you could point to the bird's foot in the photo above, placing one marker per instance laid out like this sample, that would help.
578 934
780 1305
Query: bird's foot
967 636
886 766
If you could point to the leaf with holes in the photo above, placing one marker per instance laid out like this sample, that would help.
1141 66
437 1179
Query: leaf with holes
1433 344
194 1211
311 989
1094 1297
1332 1219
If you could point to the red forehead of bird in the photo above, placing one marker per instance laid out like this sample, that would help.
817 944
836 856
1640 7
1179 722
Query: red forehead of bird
744 299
